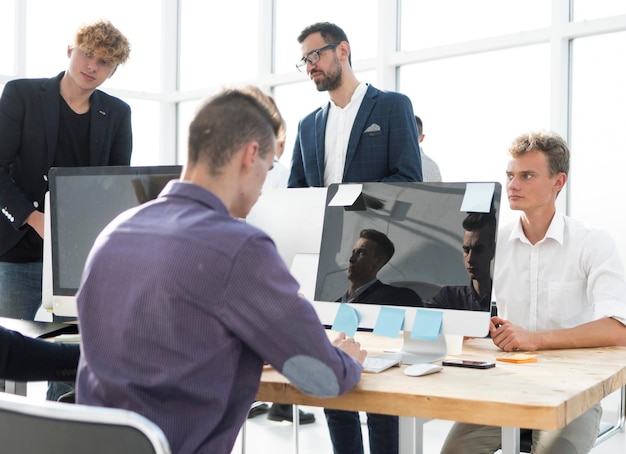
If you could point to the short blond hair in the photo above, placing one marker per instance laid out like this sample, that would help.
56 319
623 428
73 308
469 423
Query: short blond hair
104 38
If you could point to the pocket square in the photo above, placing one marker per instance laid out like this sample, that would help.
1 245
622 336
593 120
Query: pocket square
372 129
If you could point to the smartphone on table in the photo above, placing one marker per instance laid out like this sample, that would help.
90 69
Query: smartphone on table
468 363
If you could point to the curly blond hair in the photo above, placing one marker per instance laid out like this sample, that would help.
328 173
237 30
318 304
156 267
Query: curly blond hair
104 38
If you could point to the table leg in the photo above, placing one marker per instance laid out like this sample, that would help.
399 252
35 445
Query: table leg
510 440
296 428
411 435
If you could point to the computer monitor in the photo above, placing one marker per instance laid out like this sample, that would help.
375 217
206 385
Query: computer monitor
80 203
425 222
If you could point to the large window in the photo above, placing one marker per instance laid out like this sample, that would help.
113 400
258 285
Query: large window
218 42
7 33
478 72
51 27
472 108
598 144
427 24
358 18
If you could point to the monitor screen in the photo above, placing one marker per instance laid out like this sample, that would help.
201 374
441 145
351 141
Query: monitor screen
433 229
83 200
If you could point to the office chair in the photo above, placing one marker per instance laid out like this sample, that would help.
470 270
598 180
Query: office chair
33 427
607 430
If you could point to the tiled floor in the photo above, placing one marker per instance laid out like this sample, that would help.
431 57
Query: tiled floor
268 437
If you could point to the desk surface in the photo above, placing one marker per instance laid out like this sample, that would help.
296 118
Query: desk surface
547 394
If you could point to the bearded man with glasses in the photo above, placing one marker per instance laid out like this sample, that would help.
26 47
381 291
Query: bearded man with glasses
362 135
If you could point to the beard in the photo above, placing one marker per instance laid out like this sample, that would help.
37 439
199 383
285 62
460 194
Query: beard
332 79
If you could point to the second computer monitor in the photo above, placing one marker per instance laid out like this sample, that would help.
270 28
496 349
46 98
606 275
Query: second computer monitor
428 223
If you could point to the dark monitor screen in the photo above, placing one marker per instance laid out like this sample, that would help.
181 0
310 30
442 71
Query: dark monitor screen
83 200
425 223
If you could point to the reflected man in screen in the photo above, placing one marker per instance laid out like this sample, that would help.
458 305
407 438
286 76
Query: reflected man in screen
479 248
371 252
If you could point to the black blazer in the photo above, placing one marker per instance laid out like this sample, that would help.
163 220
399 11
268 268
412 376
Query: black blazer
385 294
23 358
29 124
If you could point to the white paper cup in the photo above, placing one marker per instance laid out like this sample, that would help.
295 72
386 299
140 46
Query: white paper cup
454 344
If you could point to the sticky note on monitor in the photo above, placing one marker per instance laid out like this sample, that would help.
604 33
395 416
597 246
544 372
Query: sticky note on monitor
346 195
478 197
346 320
390 321
427 325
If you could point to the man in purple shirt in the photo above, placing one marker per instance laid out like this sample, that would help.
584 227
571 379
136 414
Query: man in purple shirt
181 302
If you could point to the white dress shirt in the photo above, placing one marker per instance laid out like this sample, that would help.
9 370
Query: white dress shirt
277 177
338 129
574 275
430 169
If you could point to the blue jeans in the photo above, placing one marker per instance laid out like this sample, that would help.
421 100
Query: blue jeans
345 432
20 289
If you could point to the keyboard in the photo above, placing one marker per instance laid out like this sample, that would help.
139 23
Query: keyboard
377 364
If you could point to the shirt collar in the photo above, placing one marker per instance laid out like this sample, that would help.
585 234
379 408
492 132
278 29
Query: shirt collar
349 299
555 230
357 97
187 190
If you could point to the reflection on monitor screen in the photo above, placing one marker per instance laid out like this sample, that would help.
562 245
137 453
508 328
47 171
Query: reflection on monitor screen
444 239
83 200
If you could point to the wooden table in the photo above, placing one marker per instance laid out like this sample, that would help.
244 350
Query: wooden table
548 394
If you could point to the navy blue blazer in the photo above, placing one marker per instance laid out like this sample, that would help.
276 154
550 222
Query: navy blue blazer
29 124
382 147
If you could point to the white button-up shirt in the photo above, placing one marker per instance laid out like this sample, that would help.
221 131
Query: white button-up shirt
338 129
574 275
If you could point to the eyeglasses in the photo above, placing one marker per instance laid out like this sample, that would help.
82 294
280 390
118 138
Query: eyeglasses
314 56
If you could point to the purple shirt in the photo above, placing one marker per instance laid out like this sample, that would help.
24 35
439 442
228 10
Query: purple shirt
179 306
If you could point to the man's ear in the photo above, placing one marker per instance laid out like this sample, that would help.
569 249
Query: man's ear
380 262
250 153
69 51
343 50
560 181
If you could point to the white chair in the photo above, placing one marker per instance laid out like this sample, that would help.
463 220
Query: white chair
33 427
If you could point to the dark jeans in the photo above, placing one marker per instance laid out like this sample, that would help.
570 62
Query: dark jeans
20 289
345 432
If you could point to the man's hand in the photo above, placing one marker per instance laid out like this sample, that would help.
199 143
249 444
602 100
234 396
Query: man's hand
350 346
35 220
510 337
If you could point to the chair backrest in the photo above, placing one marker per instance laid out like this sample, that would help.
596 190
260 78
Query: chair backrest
28 426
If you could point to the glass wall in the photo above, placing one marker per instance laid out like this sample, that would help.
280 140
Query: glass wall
472 107
48 34
427 24
478 73
598 143
218 44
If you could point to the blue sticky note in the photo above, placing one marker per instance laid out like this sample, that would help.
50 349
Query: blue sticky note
390 321
346 320
427 325
477 197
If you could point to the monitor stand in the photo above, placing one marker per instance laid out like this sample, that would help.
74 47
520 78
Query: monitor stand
416 351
